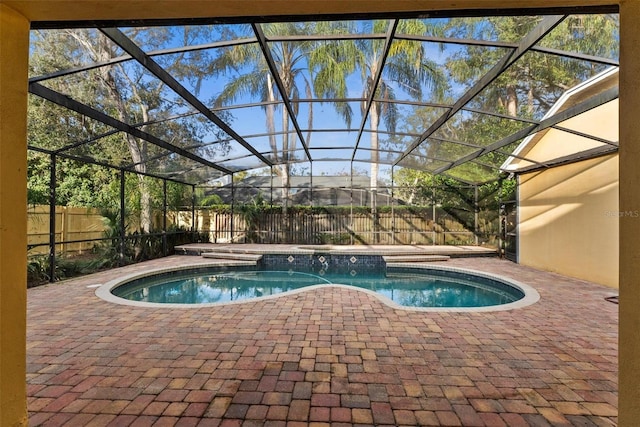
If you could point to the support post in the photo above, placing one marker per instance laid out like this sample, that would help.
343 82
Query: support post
52 219
629 315
233 200
476 212
351 211
433 214
164 217
193 211
311 185
271 189
122 215
14 45
501 214
393 212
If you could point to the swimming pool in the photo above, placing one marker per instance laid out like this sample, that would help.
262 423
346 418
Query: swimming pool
408 288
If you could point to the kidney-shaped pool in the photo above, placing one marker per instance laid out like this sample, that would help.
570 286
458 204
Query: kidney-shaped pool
410 288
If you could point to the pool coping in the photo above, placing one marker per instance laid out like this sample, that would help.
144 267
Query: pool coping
293 249
531 296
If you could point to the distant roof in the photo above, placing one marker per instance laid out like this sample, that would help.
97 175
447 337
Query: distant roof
326 191
323 181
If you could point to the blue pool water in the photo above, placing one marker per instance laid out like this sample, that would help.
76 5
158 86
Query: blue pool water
430 288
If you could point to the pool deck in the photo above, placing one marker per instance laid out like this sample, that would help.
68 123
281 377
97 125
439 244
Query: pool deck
332 356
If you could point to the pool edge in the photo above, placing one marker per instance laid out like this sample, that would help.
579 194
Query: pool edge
531 296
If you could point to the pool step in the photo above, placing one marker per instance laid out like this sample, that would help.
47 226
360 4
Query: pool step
233 256
414 258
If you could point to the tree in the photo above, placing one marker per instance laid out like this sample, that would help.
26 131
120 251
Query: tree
527 89
123 90
51 127
531 85
255 79
407 68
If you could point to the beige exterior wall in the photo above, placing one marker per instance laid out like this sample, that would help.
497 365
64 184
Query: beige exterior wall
569 215
569 219
601 122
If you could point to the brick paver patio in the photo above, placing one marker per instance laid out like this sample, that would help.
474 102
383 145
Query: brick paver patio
330 356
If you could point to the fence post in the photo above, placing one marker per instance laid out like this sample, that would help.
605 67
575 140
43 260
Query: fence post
311 185
122 215
64 228
164 217
193 211
271 188
351 211
433 216
52 219
393 212
476 212
233 199
501 216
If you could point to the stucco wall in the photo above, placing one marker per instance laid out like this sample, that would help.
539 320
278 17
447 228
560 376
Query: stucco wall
569 218
601 122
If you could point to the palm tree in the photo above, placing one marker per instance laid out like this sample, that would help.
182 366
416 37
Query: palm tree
330 63
255 78
407 67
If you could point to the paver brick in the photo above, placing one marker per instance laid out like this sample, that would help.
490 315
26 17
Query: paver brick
172 395
426 418
468 416
248 397
195 409
155 408
382 413
276 398
175 409
218 407
514 420
257 412
361 416
492 420
199 396
299 410
277 412
554 416
404 417
187 422
236 410
486 405
326 400
319 413
79 420
355 401
601 409
407 403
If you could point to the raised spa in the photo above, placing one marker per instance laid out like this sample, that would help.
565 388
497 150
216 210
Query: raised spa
410 288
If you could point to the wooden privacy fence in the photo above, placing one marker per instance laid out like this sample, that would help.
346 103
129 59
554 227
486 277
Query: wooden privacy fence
79 229
72 224
401 228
